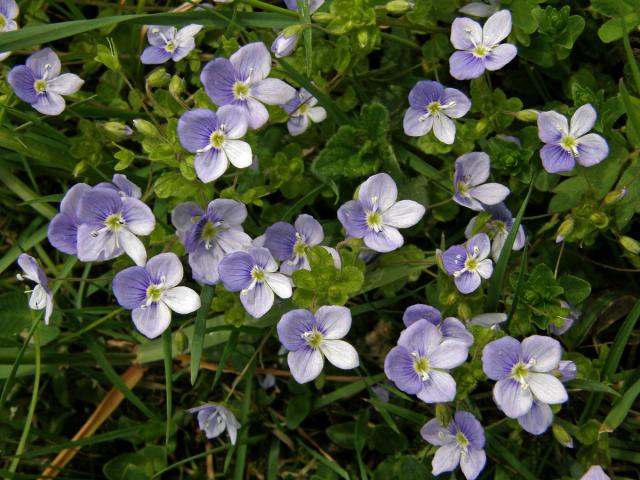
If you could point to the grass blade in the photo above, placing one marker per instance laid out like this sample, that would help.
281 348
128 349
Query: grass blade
347 391
168 364
307 34
241 453
197 340
501 452
621 409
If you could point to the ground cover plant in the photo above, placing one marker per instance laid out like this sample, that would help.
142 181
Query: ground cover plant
339 239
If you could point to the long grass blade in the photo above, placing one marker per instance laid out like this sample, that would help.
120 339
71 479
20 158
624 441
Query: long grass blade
197 340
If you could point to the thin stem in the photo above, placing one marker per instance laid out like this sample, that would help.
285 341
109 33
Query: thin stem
438 204
32 405
555 272
267 7
167 347
246 368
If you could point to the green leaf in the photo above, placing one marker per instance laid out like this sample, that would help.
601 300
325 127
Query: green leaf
297 410
576 290
206 295
343 435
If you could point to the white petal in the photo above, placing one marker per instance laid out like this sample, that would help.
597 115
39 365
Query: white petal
65 84
187 32
132 247
582 120
305 364
317 114
238 153
181 300
38 299
490 193
485 268
403 214
444 129
547 388
340 354
280 284
152 321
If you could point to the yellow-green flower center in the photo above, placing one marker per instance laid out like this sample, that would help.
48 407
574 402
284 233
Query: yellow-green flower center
471 264
434 107
3 21
570 144
300 249
520 371
303 108
461 440
170 46
114 222
257 274
313 338
374 220
421 366
40 86
480 51
217 139
463 189
209 231
240 90
154 292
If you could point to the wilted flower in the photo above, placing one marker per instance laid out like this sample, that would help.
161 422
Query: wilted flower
469 263
498 227
253 274
8 12
214 419
565 322
110 226
461 442
432 106
310 338
209 236
214 138
152 292
376 216
595 472
63 228
479 47
41 297
472 170
302 110
451 328
526 383
284 46
565 144
419 364
166 42
40 84
242 80
289 243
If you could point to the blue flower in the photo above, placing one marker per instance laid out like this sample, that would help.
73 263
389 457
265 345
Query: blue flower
41 297
302 110
167 42
8 12
214 419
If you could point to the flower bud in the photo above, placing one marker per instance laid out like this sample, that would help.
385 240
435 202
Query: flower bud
291 30
464 311
562 436
117 130
399 7
146 128
180 341
630 245
615 196
443 414
599 219
158 78
176 86
565 229
363 38
284 46
322 17
528 115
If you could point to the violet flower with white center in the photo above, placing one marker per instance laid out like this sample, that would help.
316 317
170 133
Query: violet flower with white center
209 236
565 323
595 472
451 328
419 364
166 42
432 106
471 191
253 274
567 143
479 48
40 84
524 373
8 12
214 419
302 110
309 338
376 215
122 185
461 442
498 228
242 80
110 226
215 139
289 243
41 297
468 263
63 228
152 292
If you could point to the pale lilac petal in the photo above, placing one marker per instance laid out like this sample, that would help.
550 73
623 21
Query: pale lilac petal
280 239
471 427
298 125
183 216
496 28
9 9
165 268
305 364
386 240
478 9
195 128
218 77
235 271
499 357
211 165
284 46
204 265
317 114
233 240
229 212
353 219
22 82
566 370
415 124
234 119
473 463
257 113
485 268
340 354
481 243
490 193
132 246
49 103
252 61
472 168
258 300
544 353
465 65
263 258
188 32
582 120
446 459
65 84
138 217
292 327
465 34
403 214
538 419
500 56
63 233
453 259
595 472
444 129
440 388
92 248
44 62
333 321
455 104
398 367
433 433
547 388
272 91
450 354
417 312
467 282
424 92
514 400
552 126
454 330
592 149
421 337
556 159
238 153
378 192
125 186
280 284
153 320
156 34
488 319
183 49
181 300
310 229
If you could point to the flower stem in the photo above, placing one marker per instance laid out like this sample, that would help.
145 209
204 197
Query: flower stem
267 7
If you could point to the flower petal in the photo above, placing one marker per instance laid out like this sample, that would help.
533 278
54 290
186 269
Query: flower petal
446 459
138 217
218 77
305 364
63 233
538 419
257 113
234 119
592 149
471 427
465 65
454 258
153 320
262 257
353 219
490 193
547 388
211 165
132 246
485 268
444 129
455 104
496 28
467 282
252 61
272 91
500 56
49 103
204 265
418 312
421 337
233 240
424 92
340 354
403 214
582 120
333 321
292 326
22 82
472 168
433 433
449 354
454 330
440 388
378 193
556 159
514 400
280 239
97 247
398 367
415 123
280 284
317 114
386 240
258 300
542 352
499 357
44 63
65 84
235 271
552 126
195 128
181 300
238 152
465 34
310 229
298 125
472 463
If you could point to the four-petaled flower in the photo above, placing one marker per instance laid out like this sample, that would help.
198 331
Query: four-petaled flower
497 227
451 328
152 292
302 110
526 381
253 274
40 84
289 243
561 325
166 42
432 106
110 226
479 47
214 138
41 297
469 263
566 144
214 419
472 170
8 12
310 338
419 364
242 80
376 216
209 236
461 442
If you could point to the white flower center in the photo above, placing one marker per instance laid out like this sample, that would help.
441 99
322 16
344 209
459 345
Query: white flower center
421 366
155 292
241 90
570 144
313 338
471 262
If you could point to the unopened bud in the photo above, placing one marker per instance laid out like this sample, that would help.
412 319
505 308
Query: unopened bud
599 219
528 115
562 436
158 78
363 38
322 17
146 128
399 7
180 341
118 130
565 229
615 196
630 244
443 414
482 126
291 30
464 311
176 86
